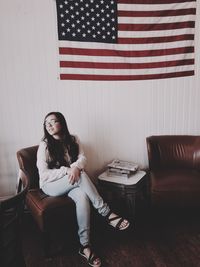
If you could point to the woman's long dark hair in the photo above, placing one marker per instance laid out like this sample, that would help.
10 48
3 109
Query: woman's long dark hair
56 148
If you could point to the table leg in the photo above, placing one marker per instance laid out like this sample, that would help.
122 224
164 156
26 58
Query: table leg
131 205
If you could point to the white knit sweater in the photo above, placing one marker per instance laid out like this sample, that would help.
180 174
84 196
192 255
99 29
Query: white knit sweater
49 175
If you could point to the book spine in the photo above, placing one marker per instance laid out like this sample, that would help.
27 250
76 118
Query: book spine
117 174
116 170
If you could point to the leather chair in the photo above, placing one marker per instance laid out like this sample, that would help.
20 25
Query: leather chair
11 212
174 163
51 214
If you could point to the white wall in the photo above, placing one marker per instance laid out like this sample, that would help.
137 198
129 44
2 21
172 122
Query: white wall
111 118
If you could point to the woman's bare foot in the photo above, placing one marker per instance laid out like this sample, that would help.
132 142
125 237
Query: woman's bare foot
118 222
90 256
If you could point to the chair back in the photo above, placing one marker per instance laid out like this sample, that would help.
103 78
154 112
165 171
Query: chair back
27 158
173 151
11 212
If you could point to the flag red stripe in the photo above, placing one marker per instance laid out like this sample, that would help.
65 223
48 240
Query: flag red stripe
121 53
163 39
155 27
157 13
105 65
124 77
153 1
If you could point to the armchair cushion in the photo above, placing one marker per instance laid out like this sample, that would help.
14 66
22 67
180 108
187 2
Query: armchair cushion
51 208
176 180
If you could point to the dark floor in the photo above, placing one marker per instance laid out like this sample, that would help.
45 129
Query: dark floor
162 241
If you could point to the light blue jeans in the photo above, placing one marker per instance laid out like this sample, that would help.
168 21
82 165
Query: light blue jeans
83 192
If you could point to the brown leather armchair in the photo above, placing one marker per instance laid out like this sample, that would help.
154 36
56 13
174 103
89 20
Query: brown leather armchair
174 163
50 213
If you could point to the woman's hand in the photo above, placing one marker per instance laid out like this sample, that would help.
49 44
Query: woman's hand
74 175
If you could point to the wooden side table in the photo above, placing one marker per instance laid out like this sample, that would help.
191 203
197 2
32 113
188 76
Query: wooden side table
122 189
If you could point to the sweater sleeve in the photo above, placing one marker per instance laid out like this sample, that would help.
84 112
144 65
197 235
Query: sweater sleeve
46 174
81 161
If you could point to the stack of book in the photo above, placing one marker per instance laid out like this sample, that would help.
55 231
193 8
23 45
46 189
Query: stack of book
121 168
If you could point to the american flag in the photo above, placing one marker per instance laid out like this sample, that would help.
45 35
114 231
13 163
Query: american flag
125 39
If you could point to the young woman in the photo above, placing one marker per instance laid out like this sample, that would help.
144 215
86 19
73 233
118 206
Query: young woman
61 162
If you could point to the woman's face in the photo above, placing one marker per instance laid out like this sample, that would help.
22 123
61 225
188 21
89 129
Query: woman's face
53 126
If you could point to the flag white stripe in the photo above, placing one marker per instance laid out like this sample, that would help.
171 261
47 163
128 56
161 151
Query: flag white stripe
127 47
155 20
94 71
154 7
141 34
110 59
